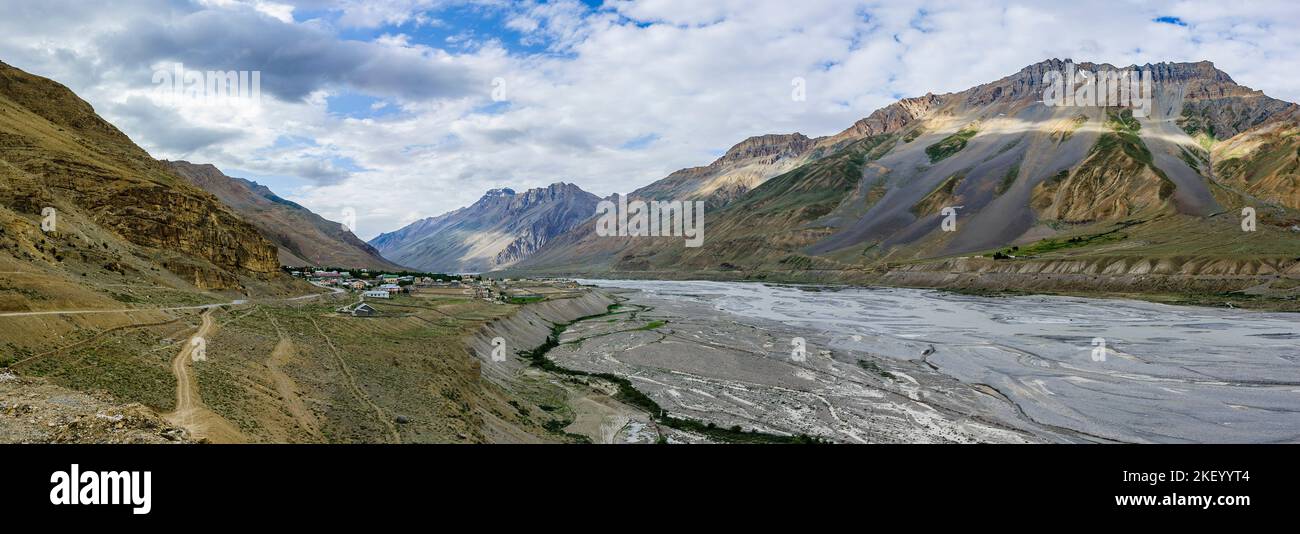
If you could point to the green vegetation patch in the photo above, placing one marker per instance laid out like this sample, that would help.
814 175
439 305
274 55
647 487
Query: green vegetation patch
1277 157
941 195
952 144
650 325
1193 158
913 134
796 261
1050 245
1009 179
874 368
1197 125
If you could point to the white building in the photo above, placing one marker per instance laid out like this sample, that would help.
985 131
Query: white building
376 294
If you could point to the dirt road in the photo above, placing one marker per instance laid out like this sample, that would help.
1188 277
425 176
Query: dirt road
190 413
286 387
205 307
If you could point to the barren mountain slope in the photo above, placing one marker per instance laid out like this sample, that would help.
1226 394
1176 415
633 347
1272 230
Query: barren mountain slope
303 237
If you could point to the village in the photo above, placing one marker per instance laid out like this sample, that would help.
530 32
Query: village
387 286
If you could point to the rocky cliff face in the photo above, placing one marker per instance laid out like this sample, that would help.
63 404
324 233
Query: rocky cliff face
499 230
743 167
302 237
115 204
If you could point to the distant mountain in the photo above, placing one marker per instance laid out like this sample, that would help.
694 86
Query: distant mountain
498 231
1060 181
302 237
115 213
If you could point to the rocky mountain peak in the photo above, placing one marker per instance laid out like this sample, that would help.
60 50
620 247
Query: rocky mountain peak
765 146
891 118
500 229
500 192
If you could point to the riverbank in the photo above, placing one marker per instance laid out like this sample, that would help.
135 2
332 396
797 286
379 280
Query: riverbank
1265 286
598 407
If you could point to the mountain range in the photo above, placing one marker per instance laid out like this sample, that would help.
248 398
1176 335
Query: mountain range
496 232
1086 193
1080 191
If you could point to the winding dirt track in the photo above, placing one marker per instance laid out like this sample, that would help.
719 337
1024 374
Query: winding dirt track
286 387
190 413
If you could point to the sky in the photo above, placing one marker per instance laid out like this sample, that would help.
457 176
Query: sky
395 110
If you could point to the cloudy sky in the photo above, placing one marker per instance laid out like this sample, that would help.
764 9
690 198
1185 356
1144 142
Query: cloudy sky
402 109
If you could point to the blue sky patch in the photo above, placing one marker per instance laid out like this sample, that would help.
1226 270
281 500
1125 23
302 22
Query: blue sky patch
640 142
359 106
495 108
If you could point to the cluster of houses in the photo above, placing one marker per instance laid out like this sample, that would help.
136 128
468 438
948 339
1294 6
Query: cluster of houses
379 285
386 286
505 290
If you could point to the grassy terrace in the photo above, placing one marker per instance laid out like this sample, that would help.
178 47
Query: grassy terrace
1051 245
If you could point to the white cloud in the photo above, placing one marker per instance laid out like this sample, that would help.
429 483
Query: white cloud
581 85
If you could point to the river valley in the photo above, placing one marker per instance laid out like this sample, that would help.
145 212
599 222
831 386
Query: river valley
871 365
